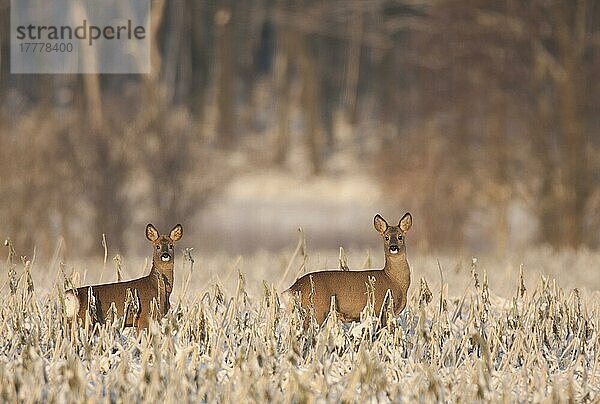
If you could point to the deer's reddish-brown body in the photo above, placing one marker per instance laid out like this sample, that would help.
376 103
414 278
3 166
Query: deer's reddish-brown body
150 293
350 288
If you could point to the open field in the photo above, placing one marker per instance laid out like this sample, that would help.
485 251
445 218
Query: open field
486 334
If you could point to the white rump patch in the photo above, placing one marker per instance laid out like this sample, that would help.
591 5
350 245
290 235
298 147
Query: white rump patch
71 304
284 298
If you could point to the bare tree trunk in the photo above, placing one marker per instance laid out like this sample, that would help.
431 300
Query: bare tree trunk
156 16
106 191
283 89
91 82
501 193
571 93
310 104
545 202
201 26
175 64
353 68
225 123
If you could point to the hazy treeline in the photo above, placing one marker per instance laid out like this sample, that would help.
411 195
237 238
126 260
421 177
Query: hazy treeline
466 111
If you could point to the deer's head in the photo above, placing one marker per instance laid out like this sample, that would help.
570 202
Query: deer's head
163 245
393 236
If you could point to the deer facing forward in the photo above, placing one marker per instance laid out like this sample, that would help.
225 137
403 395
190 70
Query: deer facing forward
150 294
350 287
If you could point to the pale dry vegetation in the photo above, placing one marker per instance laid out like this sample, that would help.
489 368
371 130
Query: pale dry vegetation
227 339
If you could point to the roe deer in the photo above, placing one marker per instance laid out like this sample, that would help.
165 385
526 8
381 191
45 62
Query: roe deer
350 287
151 293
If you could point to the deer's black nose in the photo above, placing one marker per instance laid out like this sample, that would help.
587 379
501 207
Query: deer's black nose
394 249
165 257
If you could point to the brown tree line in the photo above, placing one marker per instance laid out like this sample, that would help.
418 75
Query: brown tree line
515 86
461 109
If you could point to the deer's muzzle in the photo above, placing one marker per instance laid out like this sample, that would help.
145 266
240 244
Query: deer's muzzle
394 249
165 257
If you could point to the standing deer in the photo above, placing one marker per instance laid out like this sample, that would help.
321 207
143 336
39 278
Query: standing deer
350 287
148 296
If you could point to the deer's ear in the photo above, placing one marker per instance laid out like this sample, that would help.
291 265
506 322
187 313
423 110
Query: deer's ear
405 222
380 224
151 233
176 233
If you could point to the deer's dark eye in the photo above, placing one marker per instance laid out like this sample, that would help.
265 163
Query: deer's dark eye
158 247
170 246
387 238
399 236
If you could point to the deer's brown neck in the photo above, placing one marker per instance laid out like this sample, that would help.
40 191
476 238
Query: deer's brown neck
397 268
163 272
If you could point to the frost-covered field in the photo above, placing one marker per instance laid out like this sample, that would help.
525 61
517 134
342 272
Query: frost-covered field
471 330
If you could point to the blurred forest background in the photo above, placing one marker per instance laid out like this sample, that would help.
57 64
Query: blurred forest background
481 117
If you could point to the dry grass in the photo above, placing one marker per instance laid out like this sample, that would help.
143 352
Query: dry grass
226 338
